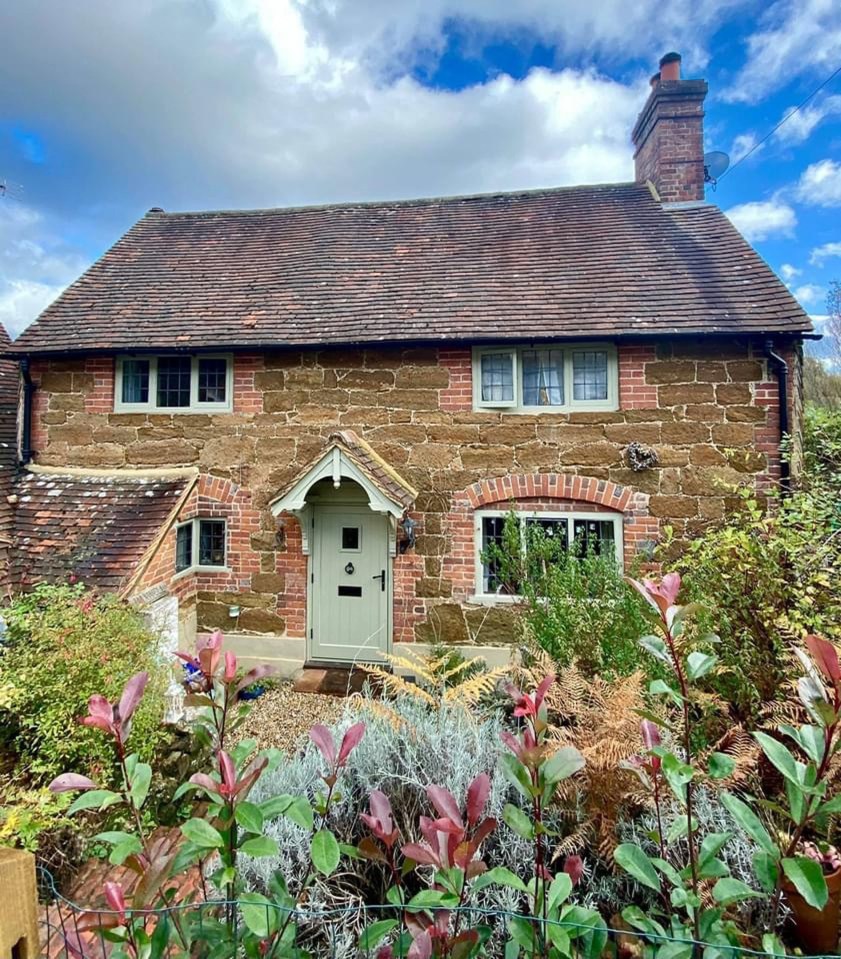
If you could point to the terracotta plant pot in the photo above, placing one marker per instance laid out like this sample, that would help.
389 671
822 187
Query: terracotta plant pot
817 929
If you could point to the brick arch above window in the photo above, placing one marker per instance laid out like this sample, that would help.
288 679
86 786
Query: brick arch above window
562 486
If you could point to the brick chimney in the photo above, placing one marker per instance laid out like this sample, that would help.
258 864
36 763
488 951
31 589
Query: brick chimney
669 135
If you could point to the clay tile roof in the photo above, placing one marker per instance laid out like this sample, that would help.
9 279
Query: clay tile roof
577 261
385 477
94 527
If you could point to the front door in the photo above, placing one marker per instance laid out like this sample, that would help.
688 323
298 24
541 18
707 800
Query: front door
350 585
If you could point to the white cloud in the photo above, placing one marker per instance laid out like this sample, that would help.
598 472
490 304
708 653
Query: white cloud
763 218
789 272
820 184
799 126
808 294
824 252
35 265
795 38
742 145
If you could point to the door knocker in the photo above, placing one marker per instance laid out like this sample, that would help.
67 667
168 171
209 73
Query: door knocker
350 569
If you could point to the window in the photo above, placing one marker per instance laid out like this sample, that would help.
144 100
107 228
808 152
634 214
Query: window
535 378
175 384
202 540
558 533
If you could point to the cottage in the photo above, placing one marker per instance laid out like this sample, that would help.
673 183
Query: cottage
304 425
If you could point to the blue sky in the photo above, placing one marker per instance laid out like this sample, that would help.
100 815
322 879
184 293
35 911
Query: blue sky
113 107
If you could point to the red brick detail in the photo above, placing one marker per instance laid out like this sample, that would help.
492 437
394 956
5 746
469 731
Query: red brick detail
100 397
292 563
247 398
634 392
517 486
458 396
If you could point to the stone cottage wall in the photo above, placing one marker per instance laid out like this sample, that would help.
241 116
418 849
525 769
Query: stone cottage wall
706 407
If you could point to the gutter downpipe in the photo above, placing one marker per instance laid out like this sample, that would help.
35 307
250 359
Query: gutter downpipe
26 430
781 369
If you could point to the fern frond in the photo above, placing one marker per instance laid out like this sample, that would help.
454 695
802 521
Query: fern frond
398 686
460 667
472 690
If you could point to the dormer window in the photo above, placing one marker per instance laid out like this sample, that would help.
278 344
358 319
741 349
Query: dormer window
544 378
174 384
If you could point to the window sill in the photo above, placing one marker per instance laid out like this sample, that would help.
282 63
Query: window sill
172 410
493 599
201 569
548 410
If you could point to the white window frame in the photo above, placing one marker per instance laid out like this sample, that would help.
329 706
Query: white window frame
480 596
569 404
195 524
195 406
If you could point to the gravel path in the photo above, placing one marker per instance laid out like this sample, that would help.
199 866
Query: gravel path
282 717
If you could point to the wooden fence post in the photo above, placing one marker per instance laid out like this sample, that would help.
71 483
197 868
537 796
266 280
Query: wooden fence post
18 905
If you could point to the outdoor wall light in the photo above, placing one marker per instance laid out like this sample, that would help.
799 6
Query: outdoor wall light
408 526
280 534
233 612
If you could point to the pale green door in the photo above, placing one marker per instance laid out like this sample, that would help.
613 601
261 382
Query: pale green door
351 584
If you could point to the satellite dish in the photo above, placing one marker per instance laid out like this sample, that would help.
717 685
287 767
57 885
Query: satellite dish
715 163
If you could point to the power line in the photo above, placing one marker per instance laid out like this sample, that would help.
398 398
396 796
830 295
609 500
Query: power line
787 117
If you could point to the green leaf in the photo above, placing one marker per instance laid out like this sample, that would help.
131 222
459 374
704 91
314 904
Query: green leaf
140 782
677 775
766 870
517 774
698 664
635 862
728 891
374 934
772 945
750 823
114 837
122 850
259 914
160 937
807 878
94 799
712 845
566 762
779 756
325 852
259 846
501 876
559 890
517 820
299 811
201 833
657 647
720 765
433 898
678 829
668 870
659 687
249 816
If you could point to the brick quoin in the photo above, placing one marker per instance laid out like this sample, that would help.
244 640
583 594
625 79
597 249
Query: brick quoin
100 398
458 396
634 392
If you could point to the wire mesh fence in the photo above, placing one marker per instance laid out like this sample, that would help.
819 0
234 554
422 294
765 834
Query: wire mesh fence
216 929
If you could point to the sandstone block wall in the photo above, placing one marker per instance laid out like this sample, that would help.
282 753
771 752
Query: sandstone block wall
706 407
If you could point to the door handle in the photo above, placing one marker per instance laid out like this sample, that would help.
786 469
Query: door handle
381 577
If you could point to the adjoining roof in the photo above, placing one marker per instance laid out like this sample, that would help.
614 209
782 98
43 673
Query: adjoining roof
578 261
92 526
347 455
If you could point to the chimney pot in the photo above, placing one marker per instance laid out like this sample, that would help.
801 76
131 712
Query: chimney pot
654 80
670 67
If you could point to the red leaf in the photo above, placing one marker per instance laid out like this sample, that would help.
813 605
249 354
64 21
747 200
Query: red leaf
67 782
420 854
323 739
542 689
114 897
258 672
445 804
825 656
228 771
350 741
421 947
230 667
477 796
132 694
574 867
650 734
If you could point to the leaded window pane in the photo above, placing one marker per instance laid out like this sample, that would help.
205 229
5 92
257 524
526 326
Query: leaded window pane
174 381
492 527
589 374
184 547
594 536
497 377
543 377
213 380
135 381
211 542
